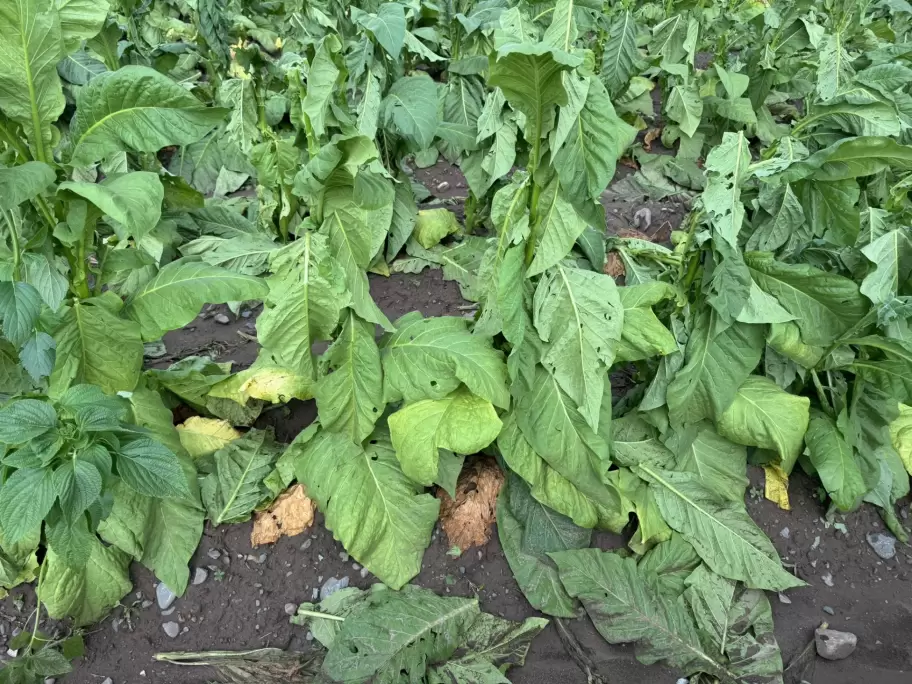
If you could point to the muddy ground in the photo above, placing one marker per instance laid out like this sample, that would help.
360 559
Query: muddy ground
241 603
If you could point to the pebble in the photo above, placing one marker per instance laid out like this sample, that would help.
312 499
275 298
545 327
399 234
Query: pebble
834 645
172 629
331 586
364 573
441 187
108 680
290 609
200 576
356 566
828 579
884 545
147 604
784 599
164 596
828 610
316 594
213 554
170 611
222 319
306 545
344 557
246 314
309 636
50 680
682 680
785 533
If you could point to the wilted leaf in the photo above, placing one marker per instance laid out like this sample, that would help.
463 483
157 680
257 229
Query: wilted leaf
467 520
289 515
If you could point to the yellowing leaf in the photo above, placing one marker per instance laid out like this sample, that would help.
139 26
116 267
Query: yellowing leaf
289 515
204 436
433 225
273 384
901 435
777 487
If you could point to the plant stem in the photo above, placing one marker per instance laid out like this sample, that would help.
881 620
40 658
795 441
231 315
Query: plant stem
315 614
37 605
14 239
821 395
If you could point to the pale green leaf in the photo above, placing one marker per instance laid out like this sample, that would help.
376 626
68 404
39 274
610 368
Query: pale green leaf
410 108
643 335
459 422
383 519
834 460
727 166
388 27
685 106
133 200
432 225
891 255
557 229
621 58
23 182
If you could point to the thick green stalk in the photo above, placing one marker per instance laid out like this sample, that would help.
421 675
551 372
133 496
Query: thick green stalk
534 160
14 240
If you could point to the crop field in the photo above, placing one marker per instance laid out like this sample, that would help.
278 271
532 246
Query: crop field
455 341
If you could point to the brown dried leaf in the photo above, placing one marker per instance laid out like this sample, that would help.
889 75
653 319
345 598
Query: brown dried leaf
467 520
614 265
289 515
651 136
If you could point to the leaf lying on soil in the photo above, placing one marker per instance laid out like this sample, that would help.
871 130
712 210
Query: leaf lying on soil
289 515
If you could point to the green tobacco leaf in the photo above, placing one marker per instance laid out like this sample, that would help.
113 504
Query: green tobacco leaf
579 314
432 225
96 347
551 488
643 335
621 58
85 594
850 158
321 84
530 78
685 106
763 415
133 200
136 108
727 166
383 519
528 532
786 218
201 163
30 90
388 27
23 182
901 435
557 230
410 107
306 297
460 422
785 338
893 377
237 95
161 533
834 460
350 396
718 360
720 464
586 162
234 487
394 634
246 254
556 431
891 254
825 305
175 296
672 562
80 20
191 378
721 531
25 499
739 623
628 604
427 358
834 70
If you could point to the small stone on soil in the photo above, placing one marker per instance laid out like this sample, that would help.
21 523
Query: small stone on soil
306 545
146 604
200 576
222 319
364 573
108 680
316 593
834 645
290 609
784 533
884 545
213 554
828 610
309 636
441 187
172 629
164 596
828 579
344 557
170 611
331 586
784 599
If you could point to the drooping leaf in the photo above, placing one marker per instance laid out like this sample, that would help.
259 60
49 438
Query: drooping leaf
727 167
579 314
721 531
427 358
720 464
85 594
350 397
460 422
133 200
388 27
528 532
23 182
891 254
620 58
557 230
763 415
136 108
643 335
718 360
177 293
383 519
410 107
432 225
234 486
834 460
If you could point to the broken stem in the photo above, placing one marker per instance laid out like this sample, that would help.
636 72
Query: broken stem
315 614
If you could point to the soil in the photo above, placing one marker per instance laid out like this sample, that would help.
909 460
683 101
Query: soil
241 604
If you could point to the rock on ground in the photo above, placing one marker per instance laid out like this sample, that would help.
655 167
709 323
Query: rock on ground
834 645
164 596
172 629
884 545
